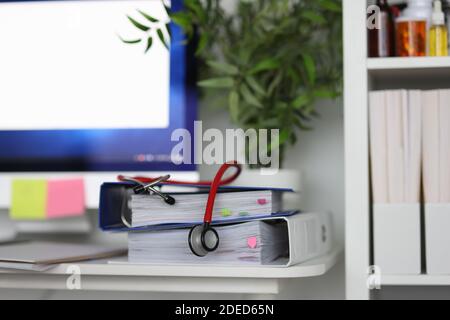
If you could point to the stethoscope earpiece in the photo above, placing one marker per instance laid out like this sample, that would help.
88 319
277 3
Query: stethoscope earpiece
203 239
149 188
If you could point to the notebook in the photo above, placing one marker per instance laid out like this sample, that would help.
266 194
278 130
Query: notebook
39 256
190 207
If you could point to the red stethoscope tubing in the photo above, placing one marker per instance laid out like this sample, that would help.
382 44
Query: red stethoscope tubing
215 184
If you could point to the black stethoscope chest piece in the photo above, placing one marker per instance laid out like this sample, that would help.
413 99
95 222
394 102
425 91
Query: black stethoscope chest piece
203 239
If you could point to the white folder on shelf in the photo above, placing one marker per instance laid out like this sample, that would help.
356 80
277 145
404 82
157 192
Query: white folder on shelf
378 146
395 134
395 146
414 147
397 245
437 181
431 146
444 146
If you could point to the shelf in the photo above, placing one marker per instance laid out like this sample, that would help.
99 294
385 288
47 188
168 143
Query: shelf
380 64
118 276
415 280
408 73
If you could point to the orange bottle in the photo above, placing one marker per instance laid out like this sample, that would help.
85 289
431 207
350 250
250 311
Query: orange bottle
411 38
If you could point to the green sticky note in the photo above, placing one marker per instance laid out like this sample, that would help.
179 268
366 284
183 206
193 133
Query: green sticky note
226 213
244 214
29 199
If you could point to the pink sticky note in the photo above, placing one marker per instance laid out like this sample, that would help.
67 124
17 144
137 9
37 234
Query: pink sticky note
252 242
262 201
65 198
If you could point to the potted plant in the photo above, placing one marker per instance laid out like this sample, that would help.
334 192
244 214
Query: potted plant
271 59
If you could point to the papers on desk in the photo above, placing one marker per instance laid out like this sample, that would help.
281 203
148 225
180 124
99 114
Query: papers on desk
40 256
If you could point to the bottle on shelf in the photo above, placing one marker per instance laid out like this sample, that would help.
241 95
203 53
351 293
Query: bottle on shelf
446 8
412 29
438 32
381 39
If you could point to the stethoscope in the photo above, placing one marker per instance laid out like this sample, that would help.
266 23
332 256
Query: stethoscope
203 238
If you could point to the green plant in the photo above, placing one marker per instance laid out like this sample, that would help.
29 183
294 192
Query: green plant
152 25
273 59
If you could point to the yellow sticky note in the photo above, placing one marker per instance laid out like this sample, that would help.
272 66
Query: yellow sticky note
29 199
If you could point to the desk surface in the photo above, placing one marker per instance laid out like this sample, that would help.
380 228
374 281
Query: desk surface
116 276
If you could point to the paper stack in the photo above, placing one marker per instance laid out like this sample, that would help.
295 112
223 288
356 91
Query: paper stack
189 207
395 145
251 243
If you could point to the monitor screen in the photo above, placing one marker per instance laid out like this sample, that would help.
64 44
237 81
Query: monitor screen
80 92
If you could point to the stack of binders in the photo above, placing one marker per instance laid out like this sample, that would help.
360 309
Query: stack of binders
252 227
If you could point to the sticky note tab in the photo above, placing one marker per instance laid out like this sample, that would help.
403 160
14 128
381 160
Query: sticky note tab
252 242
29 198
65 198
244 214
226 213
262 202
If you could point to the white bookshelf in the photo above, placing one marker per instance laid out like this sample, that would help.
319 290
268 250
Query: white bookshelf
362 75
388 64
117 275
415 280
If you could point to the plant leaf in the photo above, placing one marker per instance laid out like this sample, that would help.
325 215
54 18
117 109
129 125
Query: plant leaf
234 105
314 16
275 83
325 94
162 38
148 17
149 44
310 67
202 43
249 97
330 5
183 20
166 8
254 84
284 136
196 7
169 30
226 83
223 67
129 41
267 64
301 101
138 25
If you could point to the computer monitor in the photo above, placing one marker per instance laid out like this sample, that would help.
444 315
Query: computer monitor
77 100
